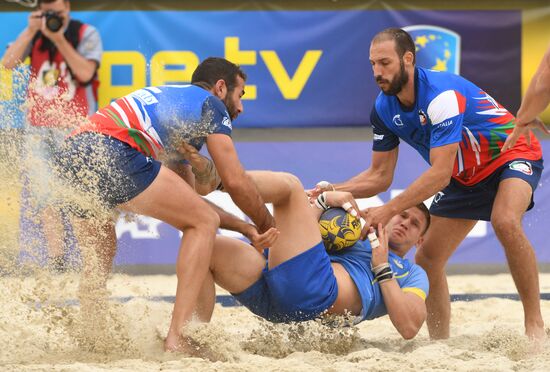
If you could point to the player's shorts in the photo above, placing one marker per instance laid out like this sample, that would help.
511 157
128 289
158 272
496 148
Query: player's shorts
476 202
109 170
41 143
296 290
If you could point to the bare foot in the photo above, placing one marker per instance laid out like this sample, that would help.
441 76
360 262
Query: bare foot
188 346
536 332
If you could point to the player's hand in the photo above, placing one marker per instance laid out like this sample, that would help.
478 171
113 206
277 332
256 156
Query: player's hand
35 21
318 189
375 216
342 199
379 250
261 241
523 129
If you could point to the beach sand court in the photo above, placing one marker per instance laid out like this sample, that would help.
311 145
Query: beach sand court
41 330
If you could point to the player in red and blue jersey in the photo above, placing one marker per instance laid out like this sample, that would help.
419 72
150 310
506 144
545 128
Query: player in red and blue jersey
459 130
128 157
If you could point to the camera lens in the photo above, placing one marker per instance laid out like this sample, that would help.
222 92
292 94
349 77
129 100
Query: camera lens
53 21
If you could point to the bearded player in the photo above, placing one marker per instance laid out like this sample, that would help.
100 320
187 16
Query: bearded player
460 131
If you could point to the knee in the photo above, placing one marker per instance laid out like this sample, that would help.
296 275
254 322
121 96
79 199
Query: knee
293 183
207 221
429 260
505 222
290 185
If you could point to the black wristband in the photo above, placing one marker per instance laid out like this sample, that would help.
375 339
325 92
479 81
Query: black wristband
385 277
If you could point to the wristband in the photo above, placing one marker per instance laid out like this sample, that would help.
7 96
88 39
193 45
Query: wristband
379 268
385 278
321 201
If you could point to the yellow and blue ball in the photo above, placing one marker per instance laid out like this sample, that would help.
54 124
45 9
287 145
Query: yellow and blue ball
339 229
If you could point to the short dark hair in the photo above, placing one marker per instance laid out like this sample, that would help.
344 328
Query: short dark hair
403 41
422 207
213 69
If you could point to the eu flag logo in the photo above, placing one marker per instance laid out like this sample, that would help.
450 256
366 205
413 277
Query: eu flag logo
437 48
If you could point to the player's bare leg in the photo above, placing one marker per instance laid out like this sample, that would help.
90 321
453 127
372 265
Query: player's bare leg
441 240
97 241
170 199
52 226
295 219
512 200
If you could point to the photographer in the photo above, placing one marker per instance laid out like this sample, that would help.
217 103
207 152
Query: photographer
64 58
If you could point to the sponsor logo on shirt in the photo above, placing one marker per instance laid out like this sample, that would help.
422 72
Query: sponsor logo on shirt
397 120
521 166
378 137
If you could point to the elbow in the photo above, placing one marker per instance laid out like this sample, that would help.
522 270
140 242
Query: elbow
444 179
409 332
385 185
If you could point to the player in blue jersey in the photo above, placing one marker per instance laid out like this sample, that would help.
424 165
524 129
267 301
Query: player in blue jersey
459 130
127 157
297 280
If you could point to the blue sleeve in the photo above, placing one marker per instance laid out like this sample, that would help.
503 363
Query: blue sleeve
215 115
417 282
383 139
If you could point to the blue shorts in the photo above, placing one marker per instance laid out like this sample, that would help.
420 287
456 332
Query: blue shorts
296 290
110 170
476 202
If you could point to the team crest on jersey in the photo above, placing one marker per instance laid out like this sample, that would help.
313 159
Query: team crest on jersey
227 122
423 117
397 120
398 264
437 48
521 166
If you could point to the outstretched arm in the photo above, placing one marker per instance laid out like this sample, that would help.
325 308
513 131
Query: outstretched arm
227 220
231 222
237 183
407 310
376 179
537 96
430 182
536 99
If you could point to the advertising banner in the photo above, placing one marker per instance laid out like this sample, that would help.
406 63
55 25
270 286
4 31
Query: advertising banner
305 68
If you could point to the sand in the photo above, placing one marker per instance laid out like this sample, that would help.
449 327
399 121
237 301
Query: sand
40 331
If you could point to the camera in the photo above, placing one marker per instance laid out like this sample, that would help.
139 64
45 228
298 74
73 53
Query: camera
53 20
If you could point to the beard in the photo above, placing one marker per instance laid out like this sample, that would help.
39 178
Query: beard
230 105
397 83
